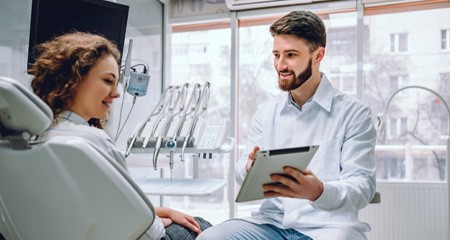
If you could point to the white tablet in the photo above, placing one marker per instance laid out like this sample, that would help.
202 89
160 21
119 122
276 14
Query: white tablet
269 162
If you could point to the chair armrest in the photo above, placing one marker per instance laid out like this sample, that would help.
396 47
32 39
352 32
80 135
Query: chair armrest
376 198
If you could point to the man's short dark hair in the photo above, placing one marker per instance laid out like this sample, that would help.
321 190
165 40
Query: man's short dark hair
303 24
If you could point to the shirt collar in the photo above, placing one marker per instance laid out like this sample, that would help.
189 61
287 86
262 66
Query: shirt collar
73 117
292 102
323 95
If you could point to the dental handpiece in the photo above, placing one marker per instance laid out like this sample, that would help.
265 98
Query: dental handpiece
165 127
166 103
139 130
156 152
171 144
203 99
194 103
187 109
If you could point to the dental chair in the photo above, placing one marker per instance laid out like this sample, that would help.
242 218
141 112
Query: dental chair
62 188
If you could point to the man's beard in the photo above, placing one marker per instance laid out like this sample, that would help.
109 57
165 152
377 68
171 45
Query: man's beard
286 85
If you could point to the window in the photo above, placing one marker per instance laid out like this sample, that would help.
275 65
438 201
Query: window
445 39
392 168
416 109
344 82
443 126
399 42
197 57
180 50
398 81
257 77
445 85
341 40
398 127
445 81
443 115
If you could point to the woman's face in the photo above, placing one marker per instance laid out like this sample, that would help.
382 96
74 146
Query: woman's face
96 92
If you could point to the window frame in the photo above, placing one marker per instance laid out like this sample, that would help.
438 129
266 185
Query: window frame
445 40
395 43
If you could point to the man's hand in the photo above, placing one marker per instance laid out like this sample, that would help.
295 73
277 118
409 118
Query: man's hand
294 184
251 158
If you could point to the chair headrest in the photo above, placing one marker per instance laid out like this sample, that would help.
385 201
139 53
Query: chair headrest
21 110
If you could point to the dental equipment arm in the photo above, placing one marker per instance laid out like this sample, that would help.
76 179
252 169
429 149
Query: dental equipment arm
195 95
160 116
139 130
171 145
169 118
204 98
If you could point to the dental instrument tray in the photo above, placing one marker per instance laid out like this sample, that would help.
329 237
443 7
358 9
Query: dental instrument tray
270 162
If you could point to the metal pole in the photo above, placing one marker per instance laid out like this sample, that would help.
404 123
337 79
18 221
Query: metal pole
234 108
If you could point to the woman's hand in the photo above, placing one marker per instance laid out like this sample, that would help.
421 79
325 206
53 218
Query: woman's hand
166 222
169 216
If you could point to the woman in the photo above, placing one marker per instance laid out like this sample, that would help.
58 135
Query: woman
77 75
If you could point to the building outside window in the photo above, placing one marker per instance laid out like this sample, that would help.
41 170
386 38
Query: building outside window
398 127
341 40
398 81
443 116
344 82
445 83
399 42
445 39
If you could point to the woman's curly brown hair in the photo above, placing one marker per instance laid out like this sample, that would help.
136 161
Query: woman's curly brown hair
61 65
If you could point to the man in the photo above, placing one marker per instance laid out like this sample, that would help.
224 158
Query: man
323 201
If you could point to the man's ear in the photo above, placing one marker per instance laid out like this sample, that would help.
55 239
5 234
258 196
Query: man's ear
319 54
